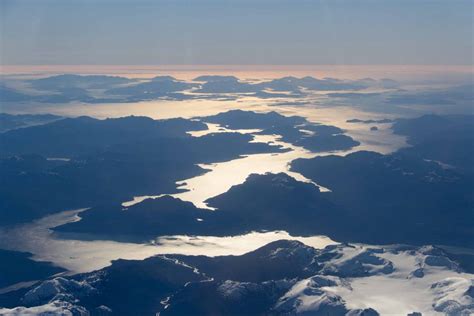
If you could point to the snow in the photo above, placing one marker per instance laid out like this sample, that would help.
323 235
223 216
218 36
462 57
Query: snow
50 309
399 293
354 279
452 296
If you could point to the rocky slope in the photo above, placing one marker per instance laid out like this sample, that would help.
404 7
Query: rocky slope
281 278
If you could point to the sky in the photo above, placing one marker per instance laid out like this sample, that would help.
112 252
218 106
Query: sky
222 32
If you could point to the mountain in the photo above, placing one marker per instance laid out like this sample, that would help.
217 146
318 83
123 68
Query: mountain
10 121
292 129
281 278
296 207
83 135
19 267
157 87
447 139
225 84
8 94
85 162
396 198
310 83
381 193
239 119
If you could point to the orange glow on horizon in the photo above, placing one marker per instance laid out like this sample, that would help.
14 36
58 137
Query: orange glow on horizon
242 71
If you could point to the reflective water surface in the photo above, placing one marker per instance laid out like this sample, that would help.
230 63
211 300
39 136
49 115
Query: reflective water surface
81 255
84 255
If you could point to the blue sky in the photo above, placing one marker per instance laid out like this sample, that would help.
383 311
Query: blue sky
224 32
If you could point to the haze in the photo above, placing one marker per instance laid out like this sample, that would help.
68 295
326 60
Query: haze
236 32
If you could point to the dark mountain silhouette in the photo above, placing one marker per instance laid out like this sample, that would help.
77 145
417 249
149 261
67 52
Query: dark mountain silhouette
310 83
81 88
276 279
18 267
12 95
291 128
109 161
448 139
84 135
443 96
396 198
225 84
321 137
157 87
238 119
390 196
275 261
231 84
294 206
11 121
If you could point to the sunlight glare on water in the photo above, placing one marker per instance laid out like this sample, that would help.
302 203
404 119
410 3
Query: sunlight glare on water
87 255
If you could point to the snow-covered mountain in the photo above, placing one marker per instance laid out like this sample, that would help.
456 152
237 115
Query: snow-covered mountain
281 278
